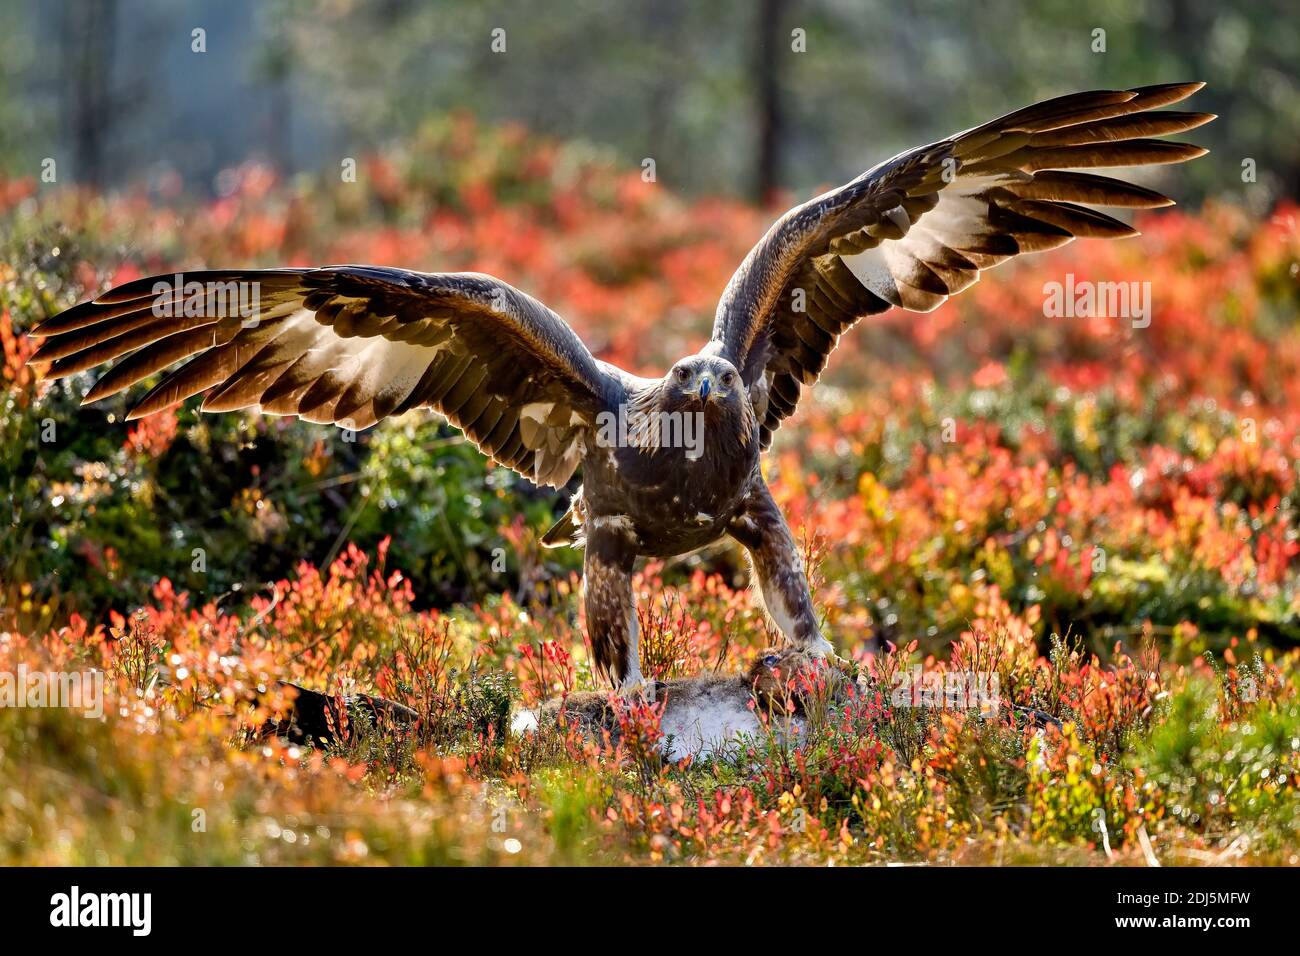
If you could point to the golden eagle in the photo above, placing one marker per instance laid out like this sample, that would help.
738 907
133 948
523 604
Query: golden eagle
669 464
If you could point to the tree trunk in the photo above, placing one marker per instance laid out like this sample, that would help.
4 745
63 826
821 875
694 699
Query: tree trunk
769 56
90 30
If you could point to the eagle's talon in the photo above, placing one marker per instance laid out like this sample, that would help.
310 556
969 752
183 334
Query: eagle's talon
824 651
638 690
820 648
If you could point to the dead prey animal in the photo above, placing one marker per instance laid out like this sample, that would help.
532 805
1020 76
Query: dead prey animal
707 714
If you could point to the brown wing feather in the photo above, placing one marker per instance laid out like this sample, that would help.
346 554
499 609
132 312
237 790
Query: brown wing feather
921 227
348 345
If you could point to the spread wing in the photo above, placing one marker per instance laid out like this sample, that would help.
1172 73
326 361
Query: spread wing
920 227
348 345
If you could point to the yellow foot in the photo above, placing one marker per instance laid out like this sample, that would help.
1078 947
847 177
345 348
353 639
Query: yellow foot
638 689
825 651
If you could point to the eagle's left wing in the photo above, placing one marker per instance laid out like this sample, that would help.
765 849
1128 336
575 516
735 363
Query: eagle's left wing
919 228
349 345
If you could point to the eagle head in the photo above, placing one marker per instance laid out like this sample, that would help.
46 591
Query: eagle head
705 383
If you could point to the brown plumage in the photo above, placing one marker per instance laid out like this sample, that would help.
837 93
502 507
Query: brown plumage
679 469
920 227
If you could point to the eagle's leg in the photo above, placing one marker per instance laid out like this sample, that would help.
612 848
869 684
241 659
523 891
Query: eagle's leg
778 570
611 606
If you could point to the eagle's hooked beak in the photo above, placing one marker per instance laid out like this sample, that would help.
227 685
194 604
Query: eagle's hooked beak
705 386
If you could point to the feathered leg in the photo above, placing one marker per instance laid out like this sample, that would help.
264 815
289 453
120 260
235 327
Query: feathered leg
778 570
611 606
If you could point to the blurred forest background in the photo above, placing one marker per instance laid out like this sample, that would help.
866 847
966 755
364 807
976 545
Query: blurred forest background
723 95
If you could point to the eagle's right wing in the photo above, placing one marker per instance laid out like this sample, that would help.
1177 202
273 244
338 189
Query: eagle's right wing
920 227
349 345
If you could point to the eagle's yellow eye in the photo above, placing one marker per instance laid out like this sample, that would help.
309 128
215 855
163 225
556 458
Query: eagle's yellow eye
683 374
728 378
